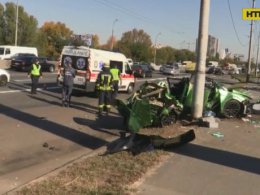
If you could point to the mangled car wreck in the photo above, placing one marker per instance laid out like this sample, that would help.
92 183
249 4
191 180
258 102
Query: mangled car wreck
163 103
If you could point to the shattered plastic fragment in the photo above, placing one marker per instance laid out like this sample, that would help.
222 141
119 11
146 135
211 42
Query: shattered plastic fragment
217 134
245 119
209 113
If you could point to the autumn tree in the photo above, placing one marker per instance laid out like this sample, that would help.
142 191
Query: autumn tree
95 41
56 36
166 55
136 44
27 26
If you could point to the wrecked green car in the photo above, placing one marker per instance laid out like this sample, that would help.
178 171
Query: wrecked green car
229 103
162 103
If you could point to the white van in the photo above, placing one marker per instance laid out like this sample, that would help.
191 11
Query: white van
88 62
8 51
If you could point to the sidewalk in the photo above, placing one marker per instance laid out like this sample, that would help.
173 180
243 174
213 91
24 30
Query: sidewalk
212 165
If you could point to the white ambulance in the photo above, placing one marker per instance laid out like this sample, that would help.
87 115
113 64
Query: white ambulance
88 62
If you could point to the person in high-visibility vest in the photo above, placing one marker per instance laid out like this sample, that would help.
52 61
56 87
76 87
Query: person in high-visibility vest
35 72
104 86
116 81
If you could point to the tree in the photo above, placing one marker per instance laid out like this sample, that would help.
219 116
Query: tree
166 55
184 54
95 41
27 26
136 44
1 24
56 35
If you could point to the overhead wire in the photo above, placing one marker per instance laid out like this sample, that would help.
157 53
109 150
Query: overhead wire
133 14
233 23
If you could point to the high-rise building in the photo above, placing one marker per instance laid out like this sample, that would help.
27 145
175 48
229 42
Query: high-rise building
212 46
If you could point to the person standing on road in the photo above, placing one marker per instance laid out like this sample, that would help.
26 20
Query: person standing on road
115 82
35 73
104 86
68 81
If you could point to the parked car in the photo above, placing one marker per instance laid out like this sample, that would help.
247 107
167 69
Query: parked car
215 70
155 66
171 69
4 77
162 67
24 62
141 70
46 64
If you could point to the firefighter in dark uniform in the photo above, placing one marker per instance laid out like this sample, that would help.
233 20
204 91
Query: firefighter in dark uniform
35 73
68 81
116 81
105 87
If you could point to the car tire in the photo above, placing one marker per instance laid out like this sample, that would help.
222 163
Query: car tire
232 109
51 69
168 120
130 89
3 80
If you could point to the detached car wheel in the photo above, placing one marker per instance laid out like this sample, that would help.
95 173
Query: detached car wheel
232 109
3 80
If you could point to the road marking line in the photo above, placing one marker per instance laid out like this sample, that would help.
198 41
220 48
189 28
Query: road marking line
22 90
19 80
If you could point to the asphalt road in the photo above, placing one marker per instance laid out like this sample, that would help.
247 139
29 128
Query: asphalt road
38 135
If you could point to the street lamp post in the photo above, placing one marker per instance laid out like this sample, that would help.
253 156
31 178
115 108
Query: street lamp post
16 24
155 45
112 38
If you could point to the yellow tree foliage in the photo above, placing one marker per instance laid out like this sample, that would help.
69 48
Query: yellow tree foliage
57 35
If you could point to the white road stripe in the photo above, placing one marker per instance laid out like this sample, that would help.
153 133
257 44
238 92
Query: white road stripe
21 80
22 90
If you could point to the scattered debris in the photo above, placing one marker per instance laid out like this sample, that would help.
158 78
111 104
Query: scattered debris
209 122
209 113
217 134
45 145
245 119
137 143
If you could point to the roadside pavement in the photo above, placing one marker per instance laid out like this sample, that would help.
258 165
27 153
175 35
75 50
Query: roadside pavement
224 160
224 164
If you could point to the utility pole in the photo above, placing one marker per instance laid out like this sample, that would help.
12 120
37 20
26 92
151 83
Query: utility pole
249 51
199 84
257 53
155 47
112 38
16 24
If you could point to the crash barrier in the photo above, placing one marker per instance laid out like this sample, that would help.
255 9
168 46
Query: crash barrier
5 64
